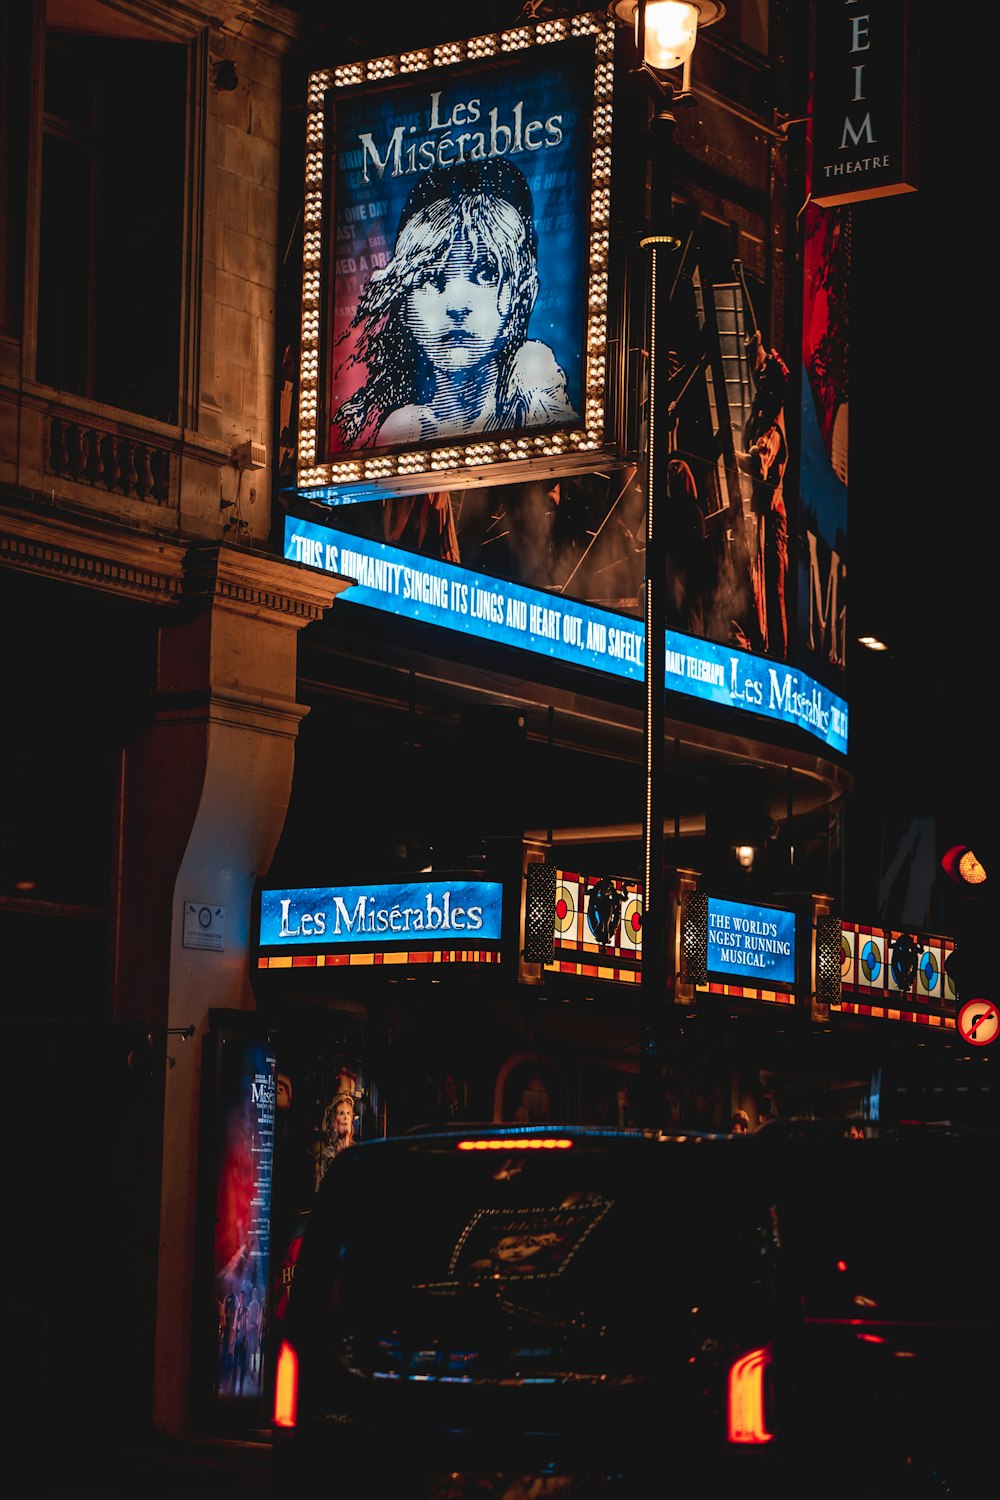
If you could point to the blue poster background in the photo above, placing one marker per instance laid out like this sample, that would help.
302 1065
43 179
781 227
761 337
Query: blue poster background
751 942
512 104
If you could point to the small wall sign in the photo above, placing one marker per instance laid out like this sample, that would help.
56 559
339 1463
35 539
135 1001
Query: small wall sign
204 925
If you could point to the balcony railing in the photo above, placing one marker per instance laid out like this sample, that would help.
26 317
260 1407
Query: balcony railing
108 460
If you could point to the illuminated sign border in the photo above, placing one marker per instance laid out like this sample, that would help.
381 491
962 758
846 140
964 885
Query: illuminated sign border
455 464
866 970
379 961
581 635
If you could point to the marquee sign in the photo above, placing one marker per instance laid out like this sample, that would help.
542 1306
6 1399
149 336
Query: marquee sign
870 980
751 942
597 934
400 922
563 628
424 910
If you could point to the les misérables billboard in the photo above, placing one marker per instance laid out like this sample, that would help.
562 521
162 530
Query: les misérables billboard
457 355
456 238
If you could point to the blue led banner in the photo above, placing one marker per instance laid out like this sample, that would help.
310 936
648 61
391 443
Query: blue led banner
442 912
422 588
751 942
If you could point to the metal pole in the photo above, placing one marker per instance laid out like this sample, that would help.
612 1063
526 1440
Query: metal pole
661 248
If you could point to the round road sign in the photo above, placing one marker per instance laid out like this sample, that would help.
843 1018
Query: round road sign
978 1023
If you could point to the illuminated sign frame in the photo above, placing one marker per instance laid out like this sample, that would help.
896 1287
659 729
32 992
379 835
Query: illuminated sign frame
767 941
869 989
478 457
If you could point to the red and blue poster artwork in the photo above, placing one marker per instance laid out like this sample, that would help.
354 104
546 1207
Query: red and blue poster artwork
455 250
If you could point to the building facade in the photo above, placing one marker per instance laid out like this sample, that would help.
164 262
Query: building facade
210 709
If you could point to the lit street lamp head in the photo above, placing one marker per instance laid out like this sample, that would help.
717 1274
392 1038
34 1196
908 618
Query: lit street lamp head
666 30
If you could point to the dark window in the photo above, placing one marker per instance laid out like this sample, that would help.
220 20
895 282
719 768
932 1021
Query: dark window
111 221
15 45
746 21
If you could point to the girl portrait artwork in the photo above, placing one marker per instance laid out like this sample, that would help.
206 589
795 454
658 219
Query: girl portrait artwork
445 324
336 1132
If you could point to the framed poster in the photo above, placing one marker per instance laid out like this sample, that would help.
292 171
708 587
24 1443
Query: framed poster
237 1150
455 254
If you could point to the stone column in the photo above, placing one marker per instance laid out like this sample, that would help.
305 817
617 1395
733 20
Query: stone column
204 794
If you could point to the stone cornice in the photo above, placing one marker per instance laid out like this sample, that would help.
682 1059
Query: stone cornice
54 543
257 584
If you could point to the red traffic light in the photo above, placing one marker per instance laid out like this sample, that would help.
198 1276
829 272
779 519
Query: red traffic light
962 866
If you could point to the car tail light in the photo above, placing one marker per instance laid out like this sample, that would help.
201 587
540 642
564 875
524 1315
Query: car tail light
286 1386
747 1415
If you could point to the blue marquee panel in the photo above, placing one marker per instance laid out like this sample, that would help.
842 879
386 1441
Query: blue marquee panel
751 942
408 913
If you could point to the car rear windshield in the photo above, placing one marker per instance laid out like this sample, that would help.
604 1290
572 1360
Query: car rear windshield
585 1245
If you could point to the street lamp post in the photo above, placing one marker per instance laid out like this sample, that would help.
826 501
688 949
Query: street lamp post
665 31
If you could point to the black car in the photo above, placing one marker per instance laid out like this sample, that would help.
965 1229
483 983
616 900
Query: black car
510 1312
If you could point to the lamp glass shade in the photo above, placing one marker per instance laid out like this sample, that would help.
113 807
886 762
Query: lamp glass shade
671 32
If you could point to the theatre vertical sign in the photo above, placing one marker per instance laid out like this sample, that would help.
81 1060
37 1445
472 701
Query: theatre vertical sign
864 101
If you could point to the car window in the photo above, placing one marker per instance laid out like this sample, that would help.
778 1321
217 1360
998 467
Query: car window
423 1246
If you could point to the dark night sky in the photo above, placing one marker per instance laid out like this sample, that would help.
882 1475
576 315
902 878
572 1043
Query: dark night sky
921 526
